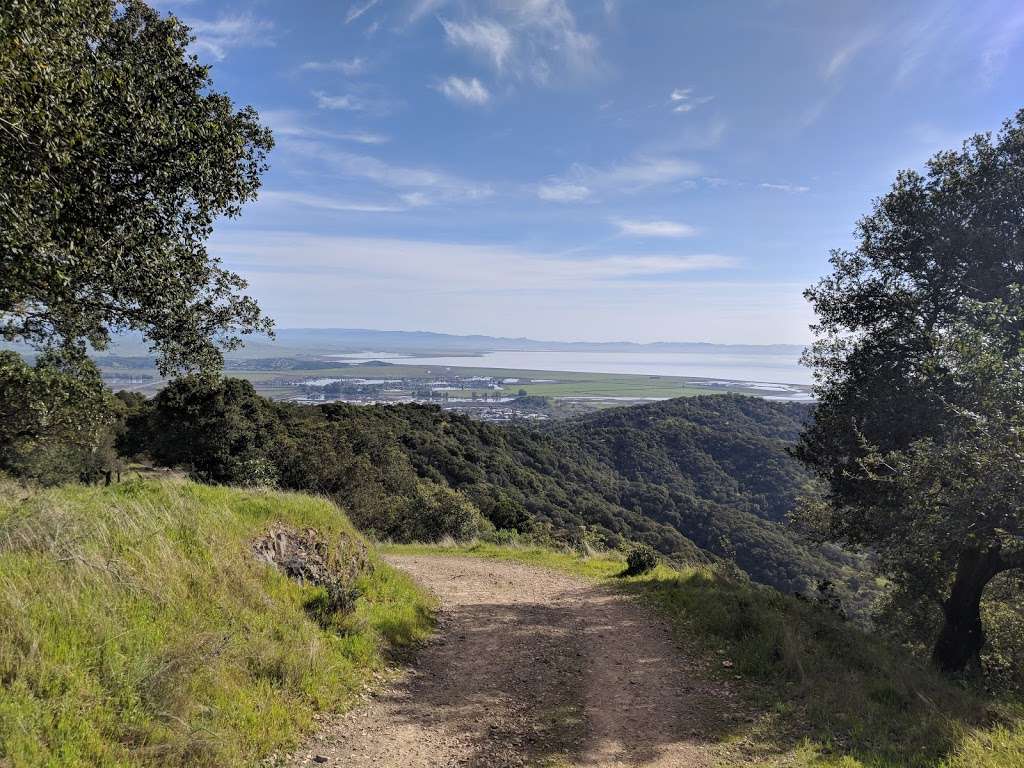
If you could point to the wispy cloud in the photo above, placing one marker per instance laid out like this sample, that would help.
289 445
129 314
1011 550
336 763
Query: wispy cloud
535 40
349 67
347 102
358 9
421 8
583 181
433 185
217 37
654 228
402 283
422 261
556 191
791 188
289 123
683 100
997 48
922 36
847 53
470 91
484 36
325 203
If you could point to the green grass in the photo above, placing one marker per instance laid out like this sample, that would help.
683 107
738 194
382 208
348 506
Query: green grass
823 692
137 630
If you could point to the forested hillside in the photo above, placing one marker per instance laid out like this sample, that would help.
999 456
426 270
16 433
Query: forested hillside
699 479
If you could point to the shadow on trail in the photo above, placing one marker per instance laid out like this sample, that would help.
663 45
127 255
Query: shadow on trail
580 680
815 678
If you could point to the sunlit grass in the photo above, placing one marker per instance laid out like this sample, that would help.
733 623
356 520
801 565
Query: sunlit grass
136 629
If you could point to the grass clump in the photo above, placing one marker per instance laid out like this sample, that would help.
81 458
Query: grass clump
137 628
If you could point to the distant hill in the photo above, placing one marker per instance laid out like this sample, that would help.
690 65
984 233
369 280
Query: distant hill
324 341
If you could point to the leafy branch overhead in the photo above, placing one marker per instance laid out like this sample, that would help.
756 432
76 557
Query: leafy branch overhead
116 159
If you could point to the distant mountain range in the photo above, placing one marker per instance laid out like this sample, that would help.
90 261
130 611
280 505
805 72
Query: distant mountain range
361 339
291 342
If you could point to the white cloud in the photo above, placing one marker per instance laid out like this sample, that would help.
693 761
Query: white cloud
415 199
470 91
216 38
349 67
638 173
421 262
423 7
289 123
647 171
562 192
683 100
844 55
435 186
346 102
307 281
534 40
791 188
654 228
997 48
485 36
306 200
921 37
358 9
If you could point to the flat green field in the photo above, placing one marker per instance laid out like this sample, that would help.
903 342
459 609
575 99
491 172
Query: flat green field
544 383
599 388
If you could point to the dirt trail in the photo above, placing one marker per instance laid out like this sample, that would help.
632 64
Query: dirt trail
531 667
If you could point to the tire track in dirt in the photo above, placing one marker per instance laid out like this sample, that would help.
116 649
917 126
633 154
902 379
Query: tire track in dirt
532 667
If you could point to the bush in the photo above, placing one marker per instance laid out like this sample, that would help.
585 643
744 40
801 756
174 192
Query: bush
641 559
437 511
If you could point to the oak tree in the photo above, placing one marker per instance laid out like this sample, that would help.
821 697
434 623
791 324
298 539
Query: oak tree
116 158
905 434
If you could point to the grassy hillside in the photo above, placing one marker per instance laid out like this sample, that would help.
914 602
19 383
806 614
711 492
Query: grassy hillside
816 691
137 629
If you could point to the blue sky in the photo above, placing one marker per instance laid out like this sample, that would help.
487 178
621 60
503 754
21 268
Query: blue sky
593 170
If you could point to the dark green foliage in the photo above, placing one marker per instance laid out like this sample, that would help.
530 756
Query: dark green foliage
57 422
919 368
116 157
221 432
640 560
696 479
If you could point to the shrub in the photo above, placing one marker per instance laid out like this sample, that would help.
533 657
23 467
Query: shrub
437 511
641 559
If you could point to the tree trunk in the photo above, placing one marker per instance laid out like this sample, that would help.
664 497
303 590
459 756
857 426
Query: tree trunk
962 636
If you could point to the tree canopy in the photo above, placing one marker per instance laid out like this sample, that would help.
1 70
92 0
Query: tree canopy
914 326
116 159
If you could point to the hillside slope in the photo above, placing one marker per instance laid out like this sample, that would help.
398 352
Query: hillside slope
699 479
717 469
137 627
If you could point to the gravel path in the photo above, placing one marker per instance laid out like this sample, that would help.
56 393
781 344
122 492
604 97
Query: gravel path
531 667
